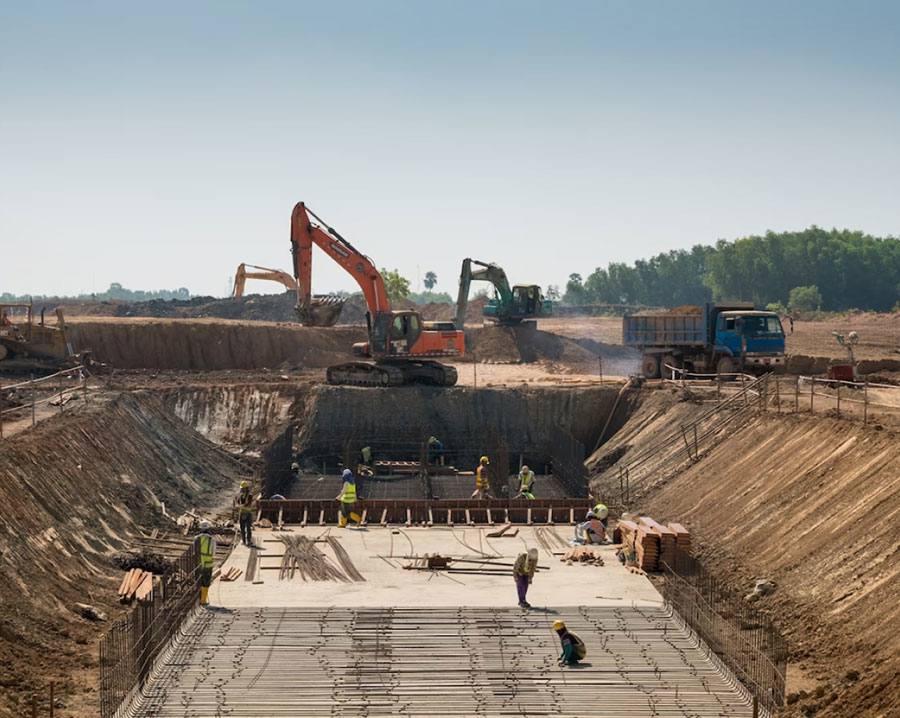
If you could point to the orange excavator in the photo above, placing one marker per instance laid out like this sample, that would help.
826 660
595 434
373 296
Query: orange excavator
241 276
403 346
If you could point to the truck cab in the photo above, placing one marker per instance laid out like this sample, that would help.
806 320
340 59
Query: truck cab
750 337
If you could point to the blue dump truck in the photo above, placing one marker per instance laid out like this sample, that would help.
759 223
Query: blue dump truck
716 338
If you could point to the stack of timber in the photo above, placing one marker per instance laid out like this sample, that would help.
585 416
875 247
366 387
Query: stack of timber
682 539
136 585
644 542
666 539
584 555
652 543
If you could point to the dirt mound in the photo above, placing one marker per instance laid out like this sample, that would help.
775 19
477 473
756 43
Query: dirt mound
525 344
210 344
74 491
811 504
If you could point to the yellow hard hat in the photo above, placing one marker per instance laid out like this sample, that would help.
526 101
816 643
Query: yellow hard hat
245 484
485 460
558 625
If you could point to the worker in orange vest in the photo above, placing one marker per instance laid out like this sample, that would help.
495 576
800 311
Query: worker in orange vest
482 486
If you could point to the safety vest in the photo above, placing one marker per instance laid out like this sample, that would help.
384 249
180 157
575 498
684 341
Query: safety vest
481 481
526 481
245 501
206 551
348 493
600 511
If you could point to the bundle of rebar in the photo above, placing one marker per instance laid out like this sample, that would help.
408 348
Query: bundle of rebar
301 556
344 559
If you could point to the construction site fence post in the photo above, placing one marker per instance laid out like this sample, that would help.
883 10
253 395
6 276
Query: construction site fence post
865 405
797 395
32 401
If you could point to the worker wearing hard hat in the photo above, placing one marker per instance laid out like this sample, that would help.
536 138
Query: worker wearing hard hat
244 502
482 485
573 648
523 573
602 513
348 498
206 551
526 483
590 530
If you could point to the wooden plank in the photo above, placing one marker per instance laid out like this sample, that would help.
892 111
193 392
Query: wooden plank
125 580
144 588
497 533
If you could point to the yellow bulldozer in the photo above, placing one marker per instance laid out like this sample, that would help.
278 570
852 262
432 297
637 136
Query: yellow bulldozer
27 346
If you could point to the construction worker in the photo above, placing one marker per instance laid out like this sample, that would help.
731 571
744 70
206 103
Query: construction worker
348 497
602 513
482 485
244 502
573 648
523 573
526 483
435 451
591 530
206 547
365 455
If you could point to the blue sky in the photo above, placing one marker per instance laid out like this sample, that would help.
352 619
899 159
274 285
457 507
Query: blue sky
160 145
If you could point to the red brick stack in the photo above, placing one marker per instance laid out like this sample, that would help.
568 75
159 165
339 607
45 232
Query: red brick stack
644 541
666 539
652 543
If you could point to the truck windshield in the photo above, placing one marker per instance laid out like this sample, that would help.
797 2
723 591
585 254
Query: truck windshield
762 325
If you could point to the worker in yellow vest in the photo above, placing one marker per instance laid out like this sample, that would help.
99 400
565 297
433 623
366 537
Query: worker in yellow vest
482 484
348 499
526 483
206 550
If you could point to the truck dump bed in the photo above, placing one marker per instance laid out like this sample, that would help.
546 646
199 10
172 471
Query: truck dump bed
664 330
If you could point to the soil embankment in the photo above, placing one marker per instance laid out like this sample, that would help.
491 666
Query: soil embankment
812 504
75 490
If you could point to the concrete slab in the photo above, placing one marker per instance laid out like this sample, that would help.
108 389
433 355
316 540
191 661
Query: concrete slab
378 553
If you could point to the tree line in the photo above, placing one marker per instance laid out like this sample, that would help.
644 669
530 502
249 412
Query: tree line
836 269
116 292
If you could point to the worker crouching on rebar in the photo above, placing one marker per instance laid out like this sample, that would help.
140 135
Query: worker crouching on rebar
523 573
244 503
482 483
573 648
348 499
526 483
206 551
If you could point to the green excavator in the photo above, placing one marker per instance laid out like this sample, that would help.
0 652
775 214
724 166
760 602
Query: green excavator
510 305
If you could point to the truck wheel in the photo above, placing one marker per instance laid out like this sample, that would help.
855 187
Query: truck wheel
650 366
726 365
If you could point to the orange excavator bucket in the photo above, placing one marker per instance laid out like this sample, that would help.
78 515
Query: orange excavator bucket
322 311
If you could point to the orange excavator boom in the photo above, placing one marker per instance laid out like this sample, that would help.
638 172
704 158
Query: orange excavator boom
304 234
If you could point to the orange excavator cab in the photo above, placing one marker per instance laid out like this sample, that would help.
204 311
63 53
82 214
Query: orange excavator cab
401 343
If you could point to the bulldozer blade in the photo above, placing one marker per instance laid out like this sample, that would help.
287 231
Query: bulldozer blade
322 311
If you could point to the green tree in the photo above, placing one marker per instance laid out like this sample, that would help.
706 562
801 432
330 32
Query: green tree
430 280
805 298
396 286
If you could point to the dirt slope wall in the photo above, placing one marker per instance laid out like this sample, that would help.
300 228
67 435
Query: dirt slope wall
72 491
813 504
199 344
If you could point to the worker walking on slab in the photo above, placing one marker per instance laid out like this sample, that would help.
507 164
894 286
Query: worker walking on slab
523 573
206 550
482 484
526 483
573 648
244 503
348 499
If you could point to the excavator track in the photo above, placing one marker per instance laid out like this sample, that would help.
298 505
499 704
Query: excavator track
390 374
